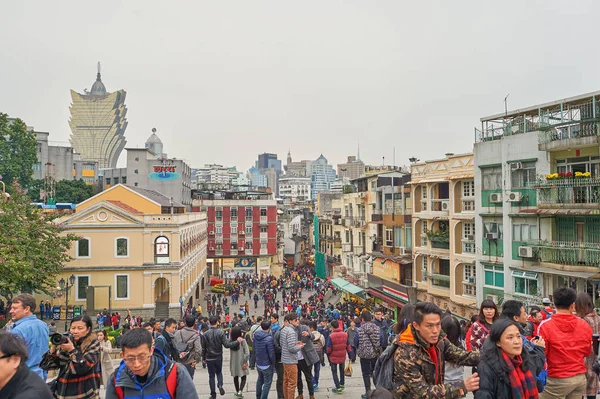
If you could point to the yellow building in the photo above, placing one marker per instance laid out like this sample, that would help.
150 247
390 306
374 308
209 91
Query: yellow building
138 250
443 228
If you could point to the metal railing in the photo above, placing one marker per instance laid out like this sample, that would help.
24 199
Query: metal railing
468 205
568 252
437 205
572 130
578 190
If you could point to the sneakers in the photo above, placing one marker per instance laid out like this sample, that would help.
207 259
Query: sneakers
238 394
342 387
315 387
363 396
337 390
221 391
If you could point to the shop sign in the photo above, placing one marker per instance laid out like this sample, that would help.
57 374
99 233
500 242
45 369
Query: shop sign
395 293
164 172
245 262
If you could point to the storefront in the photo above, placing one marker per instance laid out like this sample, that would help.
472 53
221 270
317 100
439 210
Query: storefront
350 291
389 295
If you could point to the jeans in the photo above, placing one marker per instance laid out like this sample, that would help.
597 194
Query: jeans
279 384
215 368
263 383
367 366
290 380
316 373
304 368
334 371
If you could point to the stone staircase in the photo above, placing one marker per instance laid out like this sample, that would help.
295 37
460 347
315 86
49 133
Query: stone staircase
162 310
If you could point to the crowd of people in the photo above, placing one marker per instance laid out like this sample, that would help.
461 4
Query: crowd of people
507 351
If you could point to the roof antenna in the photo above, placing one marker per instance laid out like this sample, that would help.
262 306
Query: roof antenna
505 107
99 70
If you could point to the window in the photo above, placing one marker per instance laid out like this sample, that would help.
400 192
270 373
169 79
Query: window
37 166
469 282
263 245
468 238
234 212
81 284
233 246
219 213
468 189
83 248
424 231
249 229
525 282
521 174
525 232
397 236
360 241
424 191
491 178
115 180
388 238
494 276
124 180
424 265
408 238
347 236
107 181
219 246
233 229
249 213
136 172
493 227
122 284
248 244
263 211
263 229
122 247
219 229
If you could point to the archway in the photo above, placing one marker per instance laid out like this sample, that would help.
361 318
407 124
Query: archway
198 291
202 284
161 290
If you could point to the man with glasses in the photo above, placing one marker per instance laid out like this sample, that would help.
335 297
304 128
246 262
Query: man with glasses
148 371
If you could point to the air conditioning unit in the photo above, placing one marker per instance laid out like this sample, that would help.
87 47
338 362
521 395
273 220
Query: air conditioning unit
212 233
445 205
493 298
402 251
470 237
496 197
526 252
242 233
491 236
212 248
515 196
516 166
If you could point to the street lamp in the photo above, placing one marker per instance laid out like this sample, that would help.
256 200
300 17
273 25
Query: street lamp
64 286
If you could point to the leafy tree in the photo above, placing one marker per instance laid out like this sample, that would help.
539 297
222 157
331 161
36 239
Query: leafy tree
33 249
18 151
34 189
74 191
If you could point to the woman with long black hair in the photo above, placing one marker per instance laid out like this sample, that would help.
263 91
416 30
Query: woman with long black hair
451 327
76 361
505 368
488 313
238 363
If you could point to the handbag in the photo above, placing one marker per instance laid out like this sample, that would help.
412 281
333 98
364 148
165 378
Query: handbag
348 370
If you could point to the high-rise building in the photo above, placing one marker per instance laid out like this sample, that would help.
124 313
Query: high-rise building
352 169
98 124
321 174
257 179
270 166
295 168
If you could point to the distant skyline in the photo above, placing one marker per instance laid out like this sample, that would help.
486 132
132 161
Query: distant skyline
225 81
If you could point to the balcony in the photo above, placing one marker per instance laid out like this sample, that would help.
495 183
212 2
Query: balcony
347 247
264 251
569 253
440 280
578 192
570 134
233 252
440 242
264 235
440 205
263 220
376 217
218 252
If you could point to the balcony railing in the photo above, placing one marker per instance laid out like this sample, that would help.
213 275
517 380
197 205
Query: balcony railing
570 131
234 252
440 205
264 251
569 253
440 242
440 280
577 190
263 220
218 252
468 205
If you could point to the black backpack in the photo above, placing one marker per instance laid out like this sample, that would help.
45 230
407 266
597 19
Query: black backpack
384 368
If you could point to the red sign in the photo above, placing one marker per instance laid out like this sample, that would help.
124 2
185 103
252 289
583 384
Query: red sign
160 169
396 294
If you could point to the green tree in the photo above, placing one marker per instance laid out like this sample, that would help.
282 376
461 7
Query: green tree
33 249
18 151
34 188
74 191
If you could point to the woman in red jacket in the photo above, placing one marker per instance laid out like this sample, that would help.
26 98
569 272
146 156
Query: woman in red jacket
488 313
338 346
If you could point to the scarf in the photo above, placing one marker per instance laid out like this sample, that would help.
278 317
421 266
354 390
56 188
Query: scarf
434 358
522 383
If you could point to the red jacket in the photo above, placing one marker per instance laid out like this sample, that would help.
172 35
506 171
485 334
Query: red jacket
568 342
338 345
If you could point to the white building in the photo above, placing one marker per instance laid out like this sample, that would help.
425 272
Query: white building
295 188
322 175
218 174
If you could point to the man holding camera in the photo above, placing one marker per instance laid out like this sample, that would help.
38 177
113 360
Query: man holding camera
32 330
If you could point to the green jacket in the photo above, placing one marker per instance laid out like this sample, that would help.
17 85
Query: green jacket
414 371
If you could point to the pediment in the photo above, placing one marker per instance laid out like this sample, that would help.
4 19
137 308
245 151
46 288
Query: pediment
103 215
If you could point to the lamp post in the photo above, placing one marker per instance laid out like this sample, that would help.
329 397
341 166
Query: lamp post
65 286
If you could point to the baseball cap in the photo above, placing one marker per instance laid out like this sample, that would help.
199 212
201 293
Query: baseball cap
546 301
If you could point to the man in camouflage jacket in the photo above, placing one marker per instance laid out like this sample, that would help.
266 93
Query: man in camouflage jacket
419 359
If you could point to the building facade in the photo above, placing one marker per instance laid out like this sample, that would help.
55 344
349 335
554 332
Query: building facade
352 169
242 231
443 226
98 124
295 188
137 252
321 175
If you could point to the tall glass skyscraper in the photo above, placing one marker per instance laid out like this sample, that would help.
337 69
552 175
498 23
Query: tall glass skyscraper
98 124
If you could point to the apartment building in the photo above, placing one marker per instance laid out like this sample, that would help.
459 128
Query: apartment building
538 169
443 227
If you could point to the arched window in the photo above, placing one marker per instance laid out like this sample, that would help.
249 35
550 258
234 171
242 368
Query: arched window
161 249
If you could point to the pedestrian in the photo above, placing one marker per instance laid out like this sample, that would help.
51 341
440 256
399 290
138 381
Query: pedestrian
48 310
307 356
419 359
106 366
42 310
505 369
100 321
585 310
367 342
17 380
568 342
164 341
337 348
488 313
384 327
189 342
290 346
453 373
238 363
145 371
33 331
212 353
533 322
265 359
250 341
76 361
351 331
319 344
548 309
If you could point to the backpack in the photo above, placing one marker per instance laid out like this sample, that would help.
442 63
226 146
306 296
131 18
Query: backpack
548 314
384 368
248 338
170 379
184 347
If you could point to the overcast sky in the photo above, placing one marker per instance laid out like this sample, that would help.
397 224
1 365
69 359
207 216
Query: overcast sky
223 81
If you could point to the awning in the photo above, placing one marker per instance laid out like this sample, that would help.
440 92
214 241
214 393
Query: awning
568 212
378 293
549 270
460 176
348 287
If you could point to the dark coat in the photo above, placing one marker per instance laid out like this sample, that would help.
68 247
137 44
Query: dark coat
25 384
264 348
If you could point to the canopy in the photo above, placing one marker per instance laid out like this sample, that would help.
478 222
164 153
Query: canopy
348 287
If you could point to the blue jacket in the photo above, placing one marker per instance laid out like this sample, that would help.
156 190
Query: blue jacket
35 334
384 328
264 348
155 385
